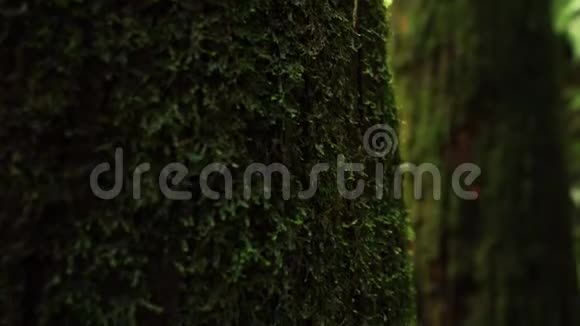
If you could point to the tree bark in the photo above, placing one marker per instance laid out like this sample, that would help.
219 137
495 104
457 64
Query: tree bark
194 82
476 83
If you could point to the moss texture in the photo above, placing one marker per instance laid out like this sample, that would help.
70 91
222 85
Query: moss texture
476 83
195 82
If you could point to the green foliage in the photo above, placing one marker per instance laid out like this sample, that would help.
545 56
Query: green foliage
194 82
567 22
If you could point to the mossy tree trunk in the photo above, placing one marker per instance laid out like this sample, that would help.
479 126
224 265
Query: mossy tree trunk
195 82
476 83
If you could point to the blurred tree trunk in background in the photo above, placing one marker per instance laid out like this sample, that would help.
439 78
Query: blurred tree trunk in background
477 84
567 24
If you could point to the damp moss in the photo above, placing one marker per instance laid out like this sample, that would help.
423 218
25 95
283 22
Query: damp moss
195 82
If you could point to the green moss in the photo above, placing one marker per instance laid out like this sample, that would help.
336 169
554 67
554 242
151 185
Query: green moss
194 82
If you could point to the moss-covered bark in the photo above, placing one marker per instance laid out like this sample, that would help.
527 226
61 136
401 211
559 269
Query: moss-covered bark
197 82
475 81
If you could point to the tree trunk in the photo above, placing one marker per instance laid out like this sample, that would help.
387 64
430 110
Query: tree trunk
476 83
195 82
